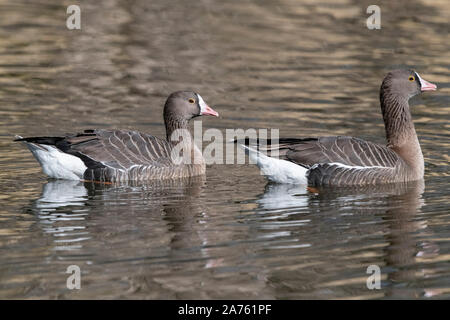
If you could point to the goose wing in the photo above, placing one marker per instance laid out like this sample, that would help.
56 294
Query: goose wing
114 149
119 149
348 151
338 160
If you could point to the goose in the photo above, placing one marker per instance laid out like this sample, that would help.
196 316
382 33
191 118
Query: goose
343 160
122 155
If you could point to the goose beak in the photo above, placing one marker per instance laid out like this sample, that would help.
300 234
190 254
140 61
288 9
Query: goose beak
207 110
425 85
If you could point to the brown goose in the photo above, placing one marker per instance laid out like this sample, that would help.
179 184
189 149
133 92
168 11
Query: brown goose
340 160
122 155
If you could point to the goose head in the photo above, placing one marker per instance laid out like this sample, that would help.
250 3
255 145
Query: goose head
405 84
185 105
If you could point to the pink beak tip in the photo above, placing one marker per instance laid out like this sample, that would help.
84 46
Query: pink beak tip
427 86
210 111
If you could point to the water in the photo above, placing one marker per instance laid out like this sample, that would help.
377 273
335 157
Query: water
309 68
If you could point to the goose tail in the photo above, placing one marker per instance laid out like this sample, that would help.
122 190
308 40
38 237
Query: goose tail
54 162
277 170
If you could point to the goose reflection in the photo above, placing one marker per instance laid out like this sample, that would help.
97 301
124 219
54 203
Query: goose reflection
150 229
332 217
62 212
61 193
401 205
404 252
74 211
283 196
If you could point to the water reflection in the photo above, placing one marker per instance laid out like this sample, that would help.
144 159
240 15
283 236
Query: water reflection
292 227
62 213
405 226
399 207
64 207
387 217
283 196
61 193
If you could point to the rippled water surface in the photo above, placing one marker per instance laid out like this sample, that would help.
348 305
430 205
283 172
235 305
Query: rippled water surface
310 68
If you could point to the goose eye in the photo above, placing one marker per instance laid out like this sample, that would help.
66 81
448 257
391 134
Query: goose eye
411 78
191 100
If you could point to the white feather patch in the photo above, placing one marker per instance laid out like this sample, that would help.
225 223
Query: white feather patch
57 164
341 165
277 170
202 103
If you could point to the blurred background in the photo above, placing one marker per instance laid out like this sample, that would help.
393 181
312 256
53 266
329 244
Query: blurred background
310 68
